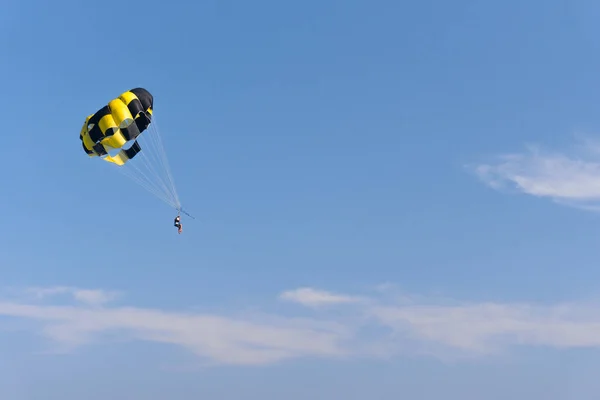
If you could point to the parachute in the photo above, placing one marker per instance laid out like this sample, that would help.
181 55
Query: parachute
124 134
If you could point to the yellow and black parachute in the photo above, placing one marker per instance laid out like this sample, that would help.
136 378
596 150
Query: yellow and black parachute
113 126
123 132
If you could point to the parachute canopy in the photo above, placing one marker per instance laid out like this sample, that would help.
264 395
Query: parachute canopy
123 119
124 133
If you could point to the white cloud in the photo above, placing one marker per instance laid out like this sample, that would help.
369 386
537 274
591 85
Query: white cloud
478 329
222 339
376 326
316 298
571 178
373 327
94 297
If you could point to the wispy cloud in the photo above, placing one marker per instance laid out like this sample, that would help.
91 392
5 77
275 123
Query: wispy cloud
488 328
571 177
95 297
377 326
219 338
315 298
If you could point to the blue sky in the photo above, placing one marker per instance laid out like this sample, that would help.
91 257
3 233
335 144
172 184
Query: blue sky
391 200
